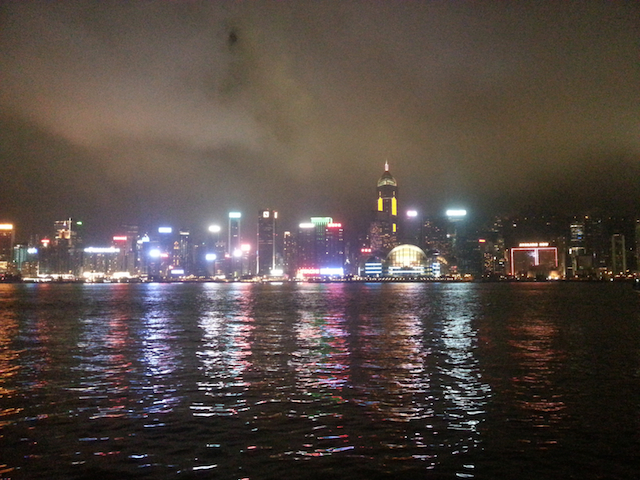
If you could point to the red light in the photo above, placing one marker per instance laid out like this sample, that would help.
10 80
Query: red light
120 239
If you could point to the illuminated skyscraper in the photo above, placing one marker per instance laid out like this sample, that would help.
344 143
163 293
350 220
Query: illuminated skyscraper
185 257
234 232
383 232
266 258
6 245
65 254
334 253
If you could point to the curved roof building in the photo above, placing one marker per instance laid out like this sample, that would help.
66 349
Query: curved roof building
407 260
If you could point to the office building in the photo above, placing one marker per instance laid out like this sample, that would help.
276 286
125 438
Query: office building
267 234
383 231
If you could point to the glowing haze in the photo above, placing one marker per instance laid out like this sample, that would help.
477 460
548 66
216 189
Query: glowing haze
177 112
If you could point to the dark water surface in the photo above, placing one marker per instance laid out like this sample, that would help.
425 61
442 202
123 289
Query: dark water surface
357 381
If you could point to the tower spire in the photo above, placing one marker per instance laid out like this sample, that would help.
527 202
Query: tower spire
386 165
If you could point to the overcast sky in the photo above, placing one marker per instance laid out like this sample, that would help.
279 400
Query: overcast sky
177 112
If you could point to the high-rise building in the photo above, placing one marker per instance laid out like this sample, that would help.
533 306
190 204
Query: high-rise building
7 237
185 256
63 256
306 245
618 255
267 232
233 244
235 265
319 248
383 232
289 249
334 250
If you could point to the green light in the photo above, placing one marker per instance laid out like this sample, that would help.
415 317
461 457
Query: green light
321 220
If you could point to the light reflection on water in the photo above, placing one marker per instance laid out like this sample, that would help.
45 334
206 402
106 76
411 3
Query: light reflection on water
358 380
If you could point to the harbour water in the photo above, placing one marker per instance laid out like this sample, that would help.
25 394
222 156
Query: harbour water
306 381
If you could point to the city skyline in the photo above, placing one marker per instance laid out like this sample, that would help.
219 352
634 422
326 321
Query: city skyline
176 113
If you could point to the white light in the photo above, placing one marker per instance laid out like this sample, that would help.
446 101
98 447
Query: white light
177 271
101 250
456 213
210 257
165 230
235 215
32 250
307 225
215 228
332 271
155 253
245 247
277 272
237 253
412 213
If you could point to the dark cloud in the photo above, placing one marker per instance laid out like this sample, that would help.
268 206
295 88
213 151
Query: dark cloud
179 111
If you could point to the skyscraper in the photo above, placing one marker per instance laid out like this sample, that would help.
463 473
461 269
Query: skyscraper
234 232
6 245
266 253
383 232
334 253
234 252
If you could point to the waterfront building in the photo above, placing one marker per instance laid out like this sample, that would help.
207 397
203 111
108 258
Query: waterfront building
618 255
267 234
234 253
536 260
334 246
101 263
184 261
234 232
62 255
7 238
289 251
407 261
319 248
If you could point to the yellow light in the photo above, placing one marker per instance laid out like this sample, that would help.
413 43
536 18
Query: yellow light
394 206
6 226
380 204
394 228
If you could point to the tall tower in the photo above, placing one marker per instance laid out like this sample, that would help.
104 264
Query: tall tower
383 232
234 232
7 237
266 241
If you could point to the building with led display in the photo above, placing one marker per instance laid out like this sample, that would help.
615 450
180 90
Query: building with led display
267 233
7 236
334 246
534 260
319 248
383 231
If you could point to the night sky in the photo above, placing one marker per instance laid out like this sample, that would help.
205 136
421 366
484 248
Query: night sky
177 112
